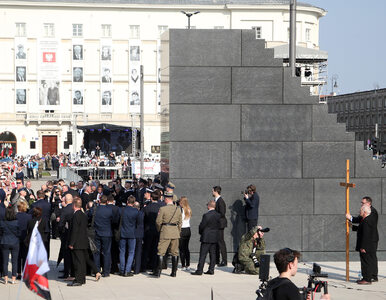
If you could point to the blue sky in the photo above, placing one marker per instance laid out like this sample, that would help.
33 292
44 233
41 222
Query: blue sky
354 34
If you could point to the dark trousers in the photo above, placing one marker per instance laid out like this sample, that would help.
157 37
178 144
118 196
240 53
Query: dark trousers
138 255
184 247
103 244
221 247
204 249
252 223
149 255
30 173
81 260
368 265
23 250
115 252
14 250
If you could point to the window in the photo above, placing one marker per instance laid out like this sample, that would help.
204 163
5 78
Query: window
32 145
308 34
106 30
77 29
218 27
21 29
162 29
134 32
257 31
49 30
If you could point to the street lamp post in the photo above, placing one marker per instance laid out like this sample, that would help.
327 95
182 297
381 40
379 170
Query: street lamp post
189 15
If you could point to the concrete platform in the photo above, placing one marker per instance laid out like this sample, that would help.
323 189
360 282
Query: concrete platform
225 284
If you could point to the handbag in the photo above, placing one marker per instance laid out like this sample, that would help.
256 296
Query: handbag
92 245
117 232
91 229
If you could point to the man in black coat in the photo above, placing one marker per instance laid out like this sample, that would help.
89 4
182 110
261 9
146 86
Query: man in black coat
252 200
46 215
78 244
63 227
209 231
371 240
221 209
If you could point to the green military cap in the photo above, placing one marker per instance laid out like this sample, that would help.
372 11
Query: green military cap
170 185
168 194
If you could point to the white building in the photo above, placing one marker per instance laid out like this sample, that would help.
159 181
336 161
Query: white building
80 55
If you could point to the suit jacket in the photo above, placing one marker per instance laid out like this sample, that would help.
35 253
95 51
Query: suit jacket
151 213
65 218
23 219
78 231
221 209
41 229
2 210
139 230
365 232
46 212
85 199
9 232
209 227
129 221
252 207
104 219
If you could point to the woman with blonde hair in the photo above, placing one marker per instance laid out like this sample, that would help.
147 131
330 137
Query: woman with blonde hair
185 233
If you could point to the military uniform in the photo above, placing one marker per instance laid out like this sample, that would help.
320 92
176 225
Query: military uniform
169 221
246 248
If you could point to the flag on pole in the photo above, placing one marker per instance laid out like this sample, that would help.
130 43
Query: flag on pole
36 266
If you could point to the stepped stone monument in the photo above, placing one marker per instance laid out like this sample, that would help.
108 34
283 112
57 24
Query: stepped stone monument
233 116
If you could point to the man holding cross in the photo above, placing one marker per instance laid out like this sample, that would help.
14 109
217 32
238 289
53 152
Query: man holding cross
367 240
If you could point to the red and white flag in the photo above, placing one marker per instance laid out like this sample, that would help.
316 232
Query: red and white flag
36 266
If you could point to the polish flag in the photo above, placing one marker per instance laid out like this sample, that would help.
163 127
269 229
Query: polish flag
36 266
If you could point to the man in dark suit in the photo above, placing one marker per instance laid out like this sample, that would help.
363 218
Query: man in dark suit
63 228
221 209
139 234
209 231
103 221
46 214
114 243
252 200
372 238
140 193
78 244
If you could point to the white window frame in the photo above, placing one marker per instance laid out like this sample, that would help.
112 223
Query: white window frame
77 30
135 31
162 29
21 29
308 34
106 30
258 32
49 30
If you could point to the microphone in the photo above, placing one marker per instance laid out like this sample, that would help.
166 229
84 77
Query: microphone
263 229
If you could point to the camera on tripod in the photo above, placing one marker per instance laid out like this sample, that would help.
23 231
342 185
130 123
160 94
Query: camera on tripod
315 285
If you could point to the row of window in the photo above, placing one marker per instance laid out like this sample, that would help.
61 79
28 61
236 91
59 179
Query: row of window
355 105
360 121
259 33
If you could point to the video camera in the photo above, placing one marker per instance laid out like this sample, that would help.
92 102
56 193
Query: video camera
314 285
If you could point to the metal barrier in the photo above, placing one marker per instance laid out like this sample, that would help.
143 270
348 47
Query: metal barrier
68 175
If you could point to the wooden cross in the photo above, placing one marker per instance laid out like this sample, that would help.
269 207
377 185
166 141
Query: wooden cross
347 185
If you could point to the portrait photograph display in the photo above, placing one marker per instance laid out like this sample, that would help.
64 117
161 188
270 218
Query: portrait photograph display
49 92
77 74
134 75
21 75
106 52
77 52
21 96
20 52
77 95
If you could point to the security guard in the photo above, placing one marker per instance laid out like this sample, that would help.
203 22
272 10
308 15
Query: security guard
252 245
169 221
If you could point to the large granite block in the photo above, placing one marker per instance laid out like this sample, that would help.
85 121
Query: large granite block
205 47
383 197
325 127
365 166
266 160
330 197
254 53
200 85
294 93
200 160
282 236
324 233
205 122
328 159
276 122
257 85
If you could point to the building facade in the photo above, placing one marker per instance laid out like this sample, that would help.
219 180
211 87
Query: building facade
362 112
76 63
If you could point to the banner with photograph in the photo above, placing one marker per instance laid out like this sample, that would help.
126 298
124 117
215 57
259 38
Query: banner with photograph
158 76
49 78
106 80
134 76
77 75
21 73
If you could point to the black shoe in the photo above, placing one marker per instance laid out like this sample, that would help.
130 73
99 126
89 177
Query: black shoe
105 275
209 272
375 279
19 277
63 277
74 284
223 264
196 273
128 274
122 274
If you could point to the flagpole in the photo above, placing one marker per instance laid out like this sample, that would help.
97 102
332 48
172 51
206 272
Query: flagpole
21 280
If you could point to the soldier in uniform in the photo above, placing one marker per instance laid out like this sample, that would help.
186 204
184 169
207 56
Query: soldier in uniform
169 222
170 188
252 245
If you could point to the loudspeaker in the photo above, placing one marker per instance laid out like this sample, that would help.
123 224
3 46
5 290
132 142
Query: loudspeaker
69 137
264 267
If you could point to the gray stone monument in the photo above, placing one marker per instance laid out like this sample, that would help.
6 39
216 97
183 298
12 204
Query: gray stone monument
233 116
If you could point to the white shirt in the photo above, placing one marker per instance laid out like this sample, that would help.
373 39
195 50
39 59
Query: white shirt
185 222
215 199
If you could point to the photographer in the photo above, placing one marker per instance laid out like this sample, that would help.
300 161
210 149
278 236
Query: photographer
251 199
252 245
286 261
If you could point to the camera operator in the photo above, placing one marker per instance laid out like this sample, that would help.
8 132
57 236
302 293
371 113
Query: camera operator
251 199
252 245
286 261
